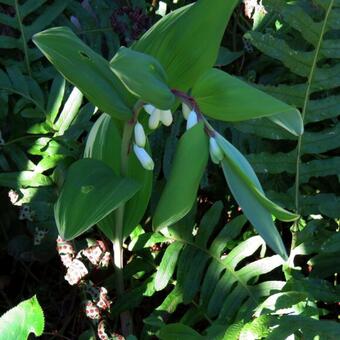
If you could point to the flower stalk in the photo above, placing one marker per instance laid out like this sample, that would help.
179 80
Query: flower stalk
118 255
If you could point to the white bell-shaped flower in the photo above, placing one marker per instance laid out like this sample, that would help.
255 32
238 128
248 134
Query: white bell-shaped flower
192 119
216 152
154 119
139 133
166 117
157 116
186 111
143 157
150 109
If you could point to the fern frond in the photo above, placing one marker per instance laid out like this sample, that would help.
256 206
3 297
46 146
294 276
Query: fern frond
29 17
221 286
313 62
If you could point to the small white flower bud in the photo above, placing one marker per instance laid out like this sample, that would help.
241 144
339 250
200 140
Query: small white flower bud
186 111
150 109
166 117
216 153
143 157
139 133
154 119
192 119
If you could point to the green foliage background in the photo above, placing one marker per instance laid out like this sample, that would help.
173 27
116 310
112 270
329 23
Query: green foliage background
211 277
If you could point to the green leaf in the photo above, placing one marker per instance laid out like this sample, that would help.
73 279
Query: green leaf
181 189
26 318
311 328
226 56
91 191
240 164
69 112
167 265
55 98
291 121
177 331
248 192
135 208
143 76
85 69
304 74
223 97
15 82
176 40
104 143
24 179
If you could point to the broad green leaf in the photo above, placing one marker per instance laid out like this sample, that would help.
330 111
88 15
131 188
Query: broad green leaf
246 173
19 322
69 112
176 40
85 69
143 76
91 191
55 98
177 331
135 208
167 265
248 192
104 143
181 189
289 121
223 97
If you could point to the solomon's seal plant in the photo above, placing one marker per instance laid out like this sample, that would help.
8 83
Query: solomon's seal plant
137 92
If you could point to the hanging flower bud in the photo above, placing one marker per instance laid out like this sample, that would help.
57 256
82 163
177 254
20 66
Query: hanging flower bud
143 157
166 117
216 153
157 115
139 133
185 110
154 119
150 109
192 119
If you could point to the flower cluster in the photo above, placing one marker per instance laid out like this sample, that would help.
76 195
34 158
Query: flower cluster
157 117
139 147
95 256
164 117
191 117
98 301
